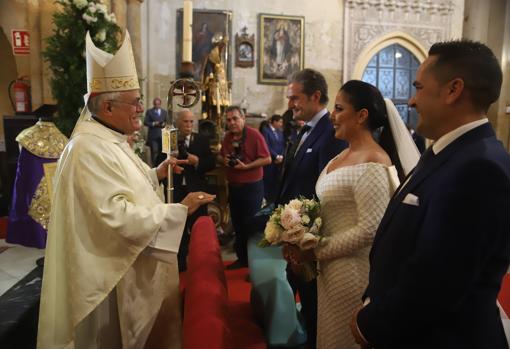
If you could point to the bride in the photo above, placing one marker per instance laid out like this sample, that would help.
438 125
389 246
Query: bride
354 190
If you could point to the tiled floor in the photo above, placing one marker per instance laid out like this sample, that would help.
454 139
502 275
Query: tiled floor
16 262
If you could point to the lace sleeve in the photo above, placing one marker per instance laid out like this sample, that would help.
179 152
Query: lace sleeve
371 194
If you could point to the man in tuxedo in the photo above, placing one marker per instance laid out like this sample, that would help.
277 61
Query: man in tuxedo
315 145
195 150
155 120
443 245
276 143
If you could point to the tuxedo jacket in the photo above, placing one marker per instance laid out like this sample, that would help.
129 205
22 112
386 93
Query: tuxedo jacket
441 251
312 156
195 176
151 116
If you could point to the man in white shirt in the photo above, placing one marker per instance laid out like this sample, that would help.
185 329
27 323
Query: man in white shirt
442 247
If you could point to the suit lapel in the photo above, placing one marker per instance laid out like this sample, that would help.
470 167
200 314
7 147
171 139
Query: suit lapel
316 132
481 132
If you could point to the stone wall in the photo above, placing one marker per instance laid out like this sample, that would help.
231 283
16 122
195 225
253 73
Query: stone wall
323 45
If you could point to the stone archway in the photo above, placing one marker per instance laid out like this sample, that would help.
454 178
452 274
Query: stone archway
403 39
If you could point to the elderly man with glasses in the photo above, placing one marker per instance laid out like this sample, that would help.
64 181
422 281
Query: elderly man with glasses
110 276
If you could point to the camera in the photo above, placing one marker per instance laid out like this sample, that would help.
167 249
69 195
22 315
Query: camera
235 155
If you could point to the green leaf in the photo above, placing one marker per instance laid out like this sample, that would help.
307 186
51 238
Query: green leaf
64 53
263 243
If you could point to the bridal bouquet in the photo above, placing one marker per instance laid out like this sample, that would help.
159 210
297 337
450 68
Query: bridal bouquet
296 223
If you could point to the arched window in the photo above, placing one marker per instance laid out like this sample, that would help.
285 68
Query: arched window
393 71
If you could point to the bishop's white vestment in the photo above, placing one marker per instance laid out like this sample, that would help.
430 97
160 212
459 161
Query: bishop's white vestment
102 284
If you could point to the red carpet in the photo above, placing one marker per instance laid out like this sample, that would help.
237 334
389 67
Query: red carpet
245 331
3 227
504 295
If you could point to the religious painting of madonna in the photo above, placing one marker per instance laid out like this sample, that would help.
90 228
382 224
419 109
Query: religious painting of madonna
207 25
281 49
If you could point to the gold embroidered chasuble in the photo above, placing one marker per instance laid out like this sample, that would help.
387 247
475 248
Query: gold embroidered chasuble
107 215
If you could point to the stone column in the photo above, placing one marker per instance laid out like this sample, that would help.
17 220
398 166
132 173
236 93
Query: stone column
485 21
119 7
47 9
35 61
134 25
476 20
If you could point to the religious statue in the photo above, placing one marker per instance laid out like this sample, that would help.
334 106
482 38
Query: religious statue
216 87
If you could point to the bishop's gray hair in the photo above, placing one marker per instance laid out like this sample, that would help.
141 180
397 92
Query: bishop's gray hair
95 102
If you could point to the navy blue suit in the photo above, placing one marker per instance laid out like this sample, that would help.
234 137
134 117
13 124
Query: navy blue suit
154 132
299 179
313 155
276 144
437 263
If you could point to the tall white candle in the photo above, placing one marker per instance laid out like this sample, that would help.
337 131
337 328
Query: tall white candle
187 32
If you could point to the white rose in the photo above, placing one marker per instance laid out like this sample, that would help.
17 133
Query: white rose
81 4
305 219
89 19
111 18
92 7
289 218
272 232
318 223
295 204
294 235
101 35
308 241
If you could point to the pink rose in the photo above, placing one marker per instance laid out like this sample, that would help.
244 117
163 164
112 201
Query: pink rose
294 234
289 218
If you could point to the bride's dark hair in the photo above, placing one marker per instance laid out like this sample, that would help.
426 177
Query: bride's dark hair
362 95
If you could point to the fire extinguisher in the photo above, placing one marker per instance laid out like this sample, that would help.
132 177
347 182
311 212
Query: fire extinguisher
19 94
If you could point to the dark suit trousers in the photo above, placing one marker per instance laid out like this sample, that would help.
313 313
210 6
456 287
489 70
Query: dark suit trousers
308 296
156 158
244 201
182 254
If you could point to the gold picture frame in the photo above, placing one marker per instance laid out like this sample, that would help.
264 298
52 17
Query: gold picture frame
281 47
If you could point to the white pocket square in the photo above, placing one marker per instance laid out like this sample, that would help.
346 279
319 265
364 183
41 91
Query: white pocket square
411 199
309 150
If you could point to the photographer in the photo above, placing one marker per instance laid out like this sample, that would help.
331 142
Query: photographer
244 152
195 149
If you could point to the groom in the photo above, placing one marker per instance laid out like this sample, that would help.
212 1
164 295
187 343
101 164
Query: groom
307 94
443 245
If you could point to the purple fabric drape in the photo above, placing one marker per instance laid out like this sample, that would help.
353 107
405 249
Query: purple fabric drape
22 229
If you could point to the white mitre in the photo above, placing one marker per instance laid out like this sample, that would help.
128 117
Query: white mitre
107 72
110 73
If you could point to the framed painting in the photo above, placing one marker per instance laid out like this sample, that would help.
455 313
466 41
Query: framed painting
206 23
281 48
245 49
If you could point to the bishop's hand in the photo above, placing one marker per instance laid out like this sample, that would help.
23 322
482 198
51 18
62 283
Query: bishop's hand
196 199
162 169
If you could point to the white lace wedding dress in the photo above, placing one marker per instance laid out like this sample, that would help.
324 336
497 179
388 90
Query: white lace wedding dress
353 200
